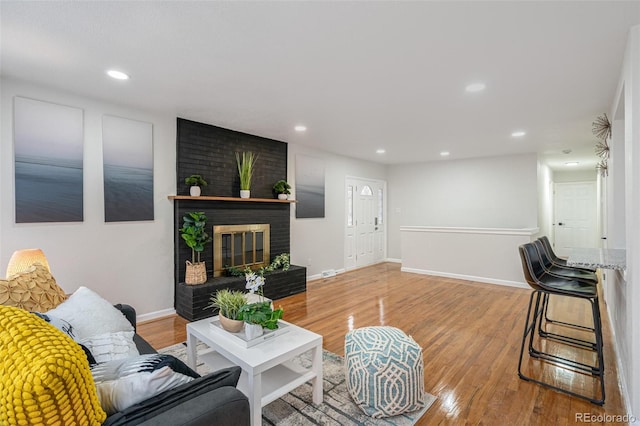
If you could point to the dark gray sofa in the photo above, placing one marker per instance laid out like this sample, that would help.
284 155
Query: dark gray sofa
209 400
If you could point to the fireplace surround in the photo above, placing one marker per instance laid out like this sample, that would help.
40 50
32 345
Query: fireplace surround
210 151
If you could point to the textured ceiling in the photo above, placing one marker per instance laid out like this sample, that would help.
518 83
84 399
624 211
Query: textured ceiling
360 75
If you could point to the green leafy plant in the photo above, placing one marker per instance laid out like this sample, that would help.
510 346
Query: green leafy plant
195 180
193 233
229 302
246 163
282 187
281 261
262 314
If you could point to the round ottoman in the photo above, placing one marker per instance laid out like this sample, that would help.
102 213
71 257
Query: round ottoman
385 371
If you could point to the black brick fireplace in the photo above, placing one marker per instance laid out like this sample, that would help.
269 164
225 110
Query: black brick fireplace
210 151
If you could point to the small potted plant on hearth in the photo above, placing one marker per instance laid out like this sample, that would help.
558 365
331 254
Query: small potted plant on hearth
258 315
229 303
282 189
194 235
195 181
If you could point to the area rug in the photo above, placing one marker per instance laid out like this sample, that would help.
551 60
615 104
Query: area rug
296 408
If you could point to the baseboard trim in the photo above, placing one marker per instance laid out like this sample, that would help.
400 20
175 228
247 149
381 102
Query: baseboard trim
393 260
467 277
155 315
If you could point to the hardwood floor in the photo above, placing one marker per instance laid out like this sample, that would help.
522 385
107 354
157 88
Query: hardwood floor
470 333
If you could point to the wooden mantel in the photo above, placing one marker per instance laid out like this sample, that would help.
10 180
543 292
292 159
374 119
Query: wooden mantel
210 198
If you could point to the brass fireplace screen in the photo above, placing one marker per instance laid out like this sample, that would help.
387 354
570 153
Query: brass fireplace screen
240 246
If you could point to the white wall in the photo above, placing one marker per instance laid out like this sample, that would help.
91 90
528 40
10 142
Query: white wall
129 262
623 292
567 176
495 192
318 244
545 201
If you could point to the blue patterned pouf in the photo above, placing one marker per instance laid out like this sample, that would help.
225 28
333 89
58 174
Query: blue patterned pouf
385 371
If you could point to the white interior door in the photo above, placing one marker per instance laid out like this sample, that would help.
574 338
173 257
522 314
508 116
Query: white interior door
575 216
365 231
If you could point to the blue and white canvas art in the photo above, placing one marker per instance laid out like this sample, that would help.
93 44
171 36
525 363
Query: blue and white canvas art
48 149
309 187
127 148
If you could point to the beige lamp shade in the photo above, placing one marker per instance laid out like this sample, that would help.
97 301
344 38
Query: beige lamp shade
21 260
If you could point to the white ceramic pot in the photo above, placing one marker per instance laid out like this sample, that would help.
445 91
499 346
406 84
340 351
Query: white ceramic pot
194 191
245 193
282 196
253 330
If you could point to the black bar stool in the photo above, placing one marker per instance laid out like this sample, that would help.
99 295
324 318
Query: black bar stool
544 285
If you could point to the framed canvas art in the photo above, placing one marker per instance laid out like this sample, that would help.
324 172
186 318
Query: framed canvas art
127 150
48 154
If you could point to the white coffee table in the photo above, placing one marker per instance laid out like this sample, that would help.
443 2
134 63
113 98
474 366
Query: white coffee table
267 373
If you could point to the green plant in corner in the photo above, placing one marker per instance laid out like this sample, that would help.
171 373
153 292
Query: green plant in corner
193 233
195 180
246 163
229 302
282 187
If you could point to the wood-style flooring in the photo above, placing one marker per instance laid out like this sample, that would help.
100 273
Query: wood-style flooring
470 333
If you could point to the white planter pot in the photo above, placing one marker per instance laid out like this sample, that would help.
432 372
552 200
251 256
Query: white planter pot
252 331
194 191
282 196
245 193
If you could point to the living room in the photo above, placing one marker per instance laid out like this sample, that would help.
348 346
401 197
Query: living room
133 262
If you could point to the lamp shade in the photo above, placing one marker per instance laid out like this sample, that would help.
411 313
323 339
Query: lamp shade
23 259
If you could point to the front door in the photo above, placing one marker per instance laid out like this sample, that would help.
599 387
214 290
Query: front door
365 231
575 216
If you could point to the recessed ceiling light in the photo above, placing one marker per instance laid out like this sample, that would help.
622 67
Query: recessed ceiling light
300 128
118 75
571 163
445 153
475 87
518 134
380 151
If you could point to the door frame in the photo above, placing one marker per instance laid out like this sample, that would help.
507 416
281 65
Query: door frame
353 180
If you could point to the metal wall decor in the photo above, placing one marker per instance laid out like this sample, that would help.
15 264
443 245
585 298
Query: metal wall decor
601 128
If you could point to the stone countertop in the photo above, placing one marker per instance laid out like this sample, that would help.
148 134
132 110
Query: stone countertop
598 258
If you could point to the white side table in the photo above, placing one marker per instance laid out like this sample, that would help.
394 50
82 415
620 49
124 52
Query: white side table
267 370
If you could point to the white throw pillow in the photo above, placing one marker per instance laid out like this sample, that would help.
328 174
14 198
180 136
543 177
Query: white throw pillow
90 315
111 346
123 383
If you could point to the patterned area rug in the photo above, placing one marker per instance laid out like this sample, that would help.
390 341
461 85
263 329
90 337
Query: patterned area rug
297 408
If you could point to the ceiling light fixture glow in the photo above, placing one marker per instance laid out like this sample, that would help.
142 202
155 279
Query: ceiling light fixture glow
380 151
300 128
475 87
518 134
118 75
571 163
445 153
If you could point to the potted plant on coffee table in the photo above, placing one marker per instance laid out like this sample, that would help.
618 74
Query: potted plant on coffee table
258 315
282 189
229 303
195 182
246 162
195 236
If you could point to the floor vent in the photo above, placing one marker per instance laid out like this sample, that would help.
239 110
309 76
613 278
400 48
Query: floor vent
329 273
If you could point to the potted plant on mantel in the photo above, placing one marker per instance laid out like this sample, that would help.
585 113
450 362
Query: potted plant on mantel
246 161
229 302
196 181
194 235
282 189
